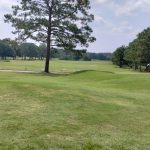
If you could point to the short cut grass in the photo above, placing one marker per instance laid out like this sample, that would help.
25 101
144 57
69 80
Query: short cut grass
100 108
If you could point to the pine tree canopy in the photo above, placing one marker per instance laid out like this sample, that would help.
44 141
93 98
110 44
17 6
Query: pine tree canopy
59 23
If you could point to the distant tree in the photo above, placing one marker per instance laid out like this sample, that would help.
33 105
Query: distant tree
59 23
118 56
6 51
29 50
86 58
99 56
137 53
23 50
33 51
78 54
14 45
42 51
144 39
134 54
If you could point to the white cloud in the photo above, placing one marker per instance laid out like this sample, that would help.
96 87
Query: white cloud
5 5
102 1
127 7
133 6
123 27
100 19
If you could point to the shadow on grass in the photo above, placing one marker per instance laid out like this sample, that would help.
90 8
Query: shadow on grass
73 73
55 74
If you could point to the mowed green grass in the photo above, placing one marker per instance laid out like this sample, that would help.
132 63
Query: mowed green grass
59 66
103 108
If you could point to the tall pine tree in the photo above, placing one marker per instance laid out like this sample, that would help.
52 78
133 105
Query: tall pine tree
59 23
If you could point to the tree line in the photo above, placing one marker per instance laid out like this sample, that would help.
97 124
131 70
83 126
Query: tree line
86 56
12 49
136 54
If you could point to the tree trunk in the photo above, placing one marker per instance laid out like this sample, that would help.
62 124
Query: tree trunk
48 52
49 39
135 66
140 67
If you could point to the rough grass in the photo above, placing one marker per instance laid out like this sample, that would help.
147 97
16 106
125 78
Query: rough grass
104 109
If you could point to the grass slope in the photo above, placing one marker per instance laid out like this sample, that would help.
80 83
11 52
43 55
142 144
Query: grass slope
104 109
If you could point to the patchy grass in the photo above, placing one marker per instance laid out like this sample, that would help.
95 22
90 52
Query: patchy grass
104 109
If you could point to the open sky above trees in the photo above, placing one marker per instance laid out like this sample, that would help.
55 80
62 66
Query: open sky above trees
116 21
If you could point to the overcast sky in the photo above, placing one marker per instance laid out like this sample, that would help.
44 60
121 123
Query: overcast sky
117 22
